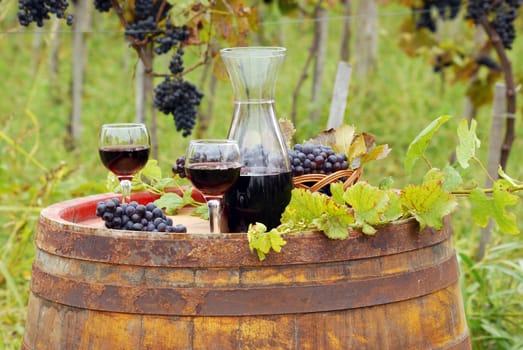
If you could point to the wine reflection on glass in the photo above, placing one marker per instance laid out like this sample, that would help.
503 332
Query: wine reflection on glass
124 150
213 166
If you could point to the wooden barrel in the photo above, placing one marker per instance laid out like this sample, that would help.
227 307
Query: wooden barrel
94 288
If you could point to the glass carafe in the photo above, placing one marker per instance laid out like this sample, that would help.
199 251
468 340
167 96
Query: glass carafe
264 188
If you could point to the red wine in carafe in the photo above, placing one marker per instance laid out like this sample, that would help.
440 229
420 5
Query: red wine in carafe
124 160
257 198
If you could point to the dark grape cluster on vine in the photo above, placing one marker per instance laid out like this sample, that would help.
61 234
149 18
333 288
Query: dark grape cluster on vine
37 11
500 13
103 5
136 217
179 167
179 98
315 159
170 37
140 28
143 8
446 9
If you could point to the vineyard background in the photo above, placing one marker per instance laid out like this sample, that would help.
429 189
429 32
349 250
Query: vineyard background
393 99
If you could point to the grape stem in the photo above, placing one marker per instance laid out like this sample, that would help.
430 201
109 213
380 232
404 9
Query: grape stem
486 190
484 169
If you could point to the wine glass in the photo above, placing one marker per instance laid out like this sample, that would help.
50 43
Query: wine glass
213 166
124 150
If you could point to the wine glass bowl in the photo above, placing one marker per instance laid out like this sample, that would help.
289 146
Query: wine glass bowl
213 166
124 150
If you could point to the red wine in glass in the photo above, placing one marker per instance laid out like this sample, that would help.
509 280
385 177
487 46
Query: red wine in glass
124 150
213 179
213 166
124 160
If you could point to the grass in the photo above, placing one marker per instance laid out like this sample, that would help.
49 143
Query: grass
394 102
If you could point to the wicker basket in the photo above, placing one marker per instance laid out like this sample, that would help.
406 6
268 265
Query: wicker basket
318 180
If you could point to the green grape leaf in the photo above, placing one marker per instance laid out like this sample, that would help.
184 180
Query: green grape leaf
304 207
201 211
368 203
452 178
434 174
164 183
394 209
504 175
449 177
417 147
317 211
111 183
386 183
485 207
263 241
334 222
151 171
468 142
428 203
337 192
170 203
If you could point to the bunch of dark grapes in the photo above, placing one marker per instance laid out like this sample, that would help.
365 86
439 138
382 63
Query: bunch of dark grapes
447 9
136 217
179 167
170 37
176 64
141 28
315 159
38 11
503 24
500 13
103 5
179 98
143 8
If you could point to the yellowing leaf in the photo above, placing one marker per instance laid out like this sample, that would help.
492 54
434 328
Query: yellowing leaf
468 142
262 241
428 203
344 139
357 148
218 68
376 153
317 211
394 210
368 203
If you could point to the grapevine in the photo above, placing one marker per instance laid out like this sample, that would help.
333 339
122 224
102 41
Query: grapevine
364 206
496 18
163 27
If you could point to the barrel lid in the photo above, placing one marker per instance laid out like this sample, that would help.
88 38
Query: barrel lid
71 229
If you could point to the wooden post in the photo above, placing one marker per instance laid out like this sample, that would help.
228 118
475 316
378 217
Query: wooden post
366 38
81 24
141 98
339 95
321 28
346 32
495 144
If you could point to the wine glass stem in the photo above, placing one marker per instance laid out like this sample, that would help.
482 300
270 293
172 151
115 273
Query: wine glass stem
214 214
126 191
